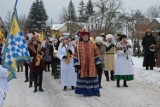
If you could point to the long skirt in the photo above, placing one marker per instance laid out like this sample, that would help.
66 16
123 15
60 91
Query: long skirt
87 86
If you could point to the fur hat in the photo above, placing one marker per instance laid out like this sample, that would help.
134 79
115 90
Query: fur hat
99 39
109 36
84 33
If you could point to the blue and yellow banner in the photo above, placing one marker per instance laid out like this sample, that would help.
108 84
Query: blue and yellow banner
16 48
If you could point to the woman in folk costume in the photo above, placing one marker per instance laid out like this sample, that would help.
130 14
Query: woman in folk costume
65 52
3 84
102 51
157 47
124 67
109 57
86 58
37 65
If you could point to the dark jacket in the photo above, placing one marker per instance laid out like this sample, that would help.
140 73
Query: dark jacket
33 53
149 56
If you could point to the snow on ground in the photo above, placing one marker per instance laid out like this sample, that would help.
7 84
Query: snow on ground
142 92
149 76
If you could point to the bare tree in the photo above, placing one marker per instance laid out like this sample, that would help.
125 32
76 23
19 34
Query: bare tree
102 9
114 6
22 22
7 21
64 16
153 12
108 10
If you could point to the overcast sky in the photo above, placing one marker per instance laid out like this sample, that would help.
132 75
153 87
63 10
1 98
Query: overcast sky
54 7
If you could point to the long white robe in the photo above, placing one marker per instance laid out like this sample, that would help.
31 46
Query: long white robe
3 84
68 75
123 65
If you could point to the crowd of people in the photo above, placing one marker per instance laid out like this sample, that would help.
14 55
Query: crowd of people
80 62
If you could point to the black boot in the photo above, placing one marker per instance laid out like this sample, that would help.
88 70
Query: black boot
125 84
35 90
151 68
41 89
30 84
100 85
146 67
118 83
112 75
26 80
65 88
72 87
107 75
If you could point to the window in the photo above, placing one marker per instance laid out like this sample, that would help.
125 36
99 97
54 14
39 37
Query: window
92 27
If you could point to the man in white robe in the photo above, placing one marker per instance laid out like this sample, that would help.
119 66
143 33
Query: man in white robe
68 77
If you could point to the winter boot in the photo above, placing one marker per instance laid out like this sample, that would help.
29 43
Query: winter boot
125 84
30 84
112 75
41 89
26 80
72 87
35 90
107 75
151 68
65 88
146 67
118 83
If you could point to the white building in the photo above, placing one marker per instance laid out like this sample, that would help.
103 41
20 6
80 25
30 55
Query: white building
116 22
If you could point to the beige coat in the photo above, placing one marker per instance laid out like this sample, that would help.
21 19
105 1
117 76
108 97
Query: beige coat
109 60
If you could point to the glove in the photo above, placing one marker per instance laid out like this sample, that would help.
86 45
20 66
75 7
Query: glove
64 57
70 51
77 66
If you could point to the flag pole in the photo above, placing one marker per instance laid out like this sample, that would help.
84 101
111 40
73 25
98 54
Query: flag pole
15 4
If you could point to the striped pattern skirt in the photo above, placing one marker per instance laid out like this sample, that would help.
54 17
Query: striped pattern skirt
87 86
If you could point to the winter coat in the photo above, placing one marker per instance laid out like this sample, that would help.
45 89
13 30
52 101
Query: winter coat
32 66
102 51
149 56
48 55
109 57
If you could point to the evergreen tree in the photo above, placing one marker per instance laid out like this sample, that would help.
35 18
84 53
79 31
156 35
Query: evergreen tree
37 17
71 12
89 9
82 15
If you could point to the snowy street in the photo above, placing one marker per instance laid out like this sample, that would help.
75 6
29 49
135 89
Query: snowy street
144 91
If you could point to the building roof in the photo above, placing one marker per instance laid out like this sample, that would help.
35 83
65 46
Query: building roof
157 19
57 26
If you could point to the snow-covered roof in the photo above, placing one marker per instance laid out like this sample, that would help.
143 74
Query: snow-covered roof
158 19
57 26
